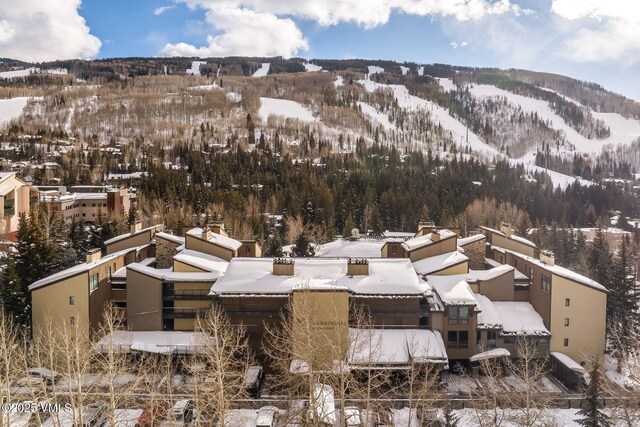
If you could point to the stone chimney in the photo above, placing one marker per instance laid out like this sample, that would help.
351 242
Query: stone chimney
435 235
93 255
506 228
358 267
548 258
283 266
135 227
207 233
218 228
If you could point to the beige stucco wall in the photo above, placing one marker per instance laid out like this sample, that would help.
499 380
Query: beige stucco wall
587 320
503 242
200 245
144 302
500 288
181 267
51 303
461 268
436 248
132 241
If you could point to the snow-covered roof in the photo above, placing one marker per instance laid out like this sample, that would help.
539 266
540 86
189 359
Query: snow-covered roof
488 318
439 262
155 342
370 347
558 270
169 275
519 318
217 239
80 268
255 276
467 240
568 362
351 248
127 235
170 237
202 261
452 292
485 275
427 239
490 354
512 237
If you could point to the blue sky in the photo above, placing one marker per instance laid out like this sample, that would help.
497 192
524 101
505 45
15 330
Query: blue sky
594 40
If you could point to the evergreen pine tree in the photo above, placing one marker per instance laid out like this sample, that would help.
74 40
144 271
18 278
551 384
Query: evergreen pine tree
348 227
591 416
303 247
273 247
132 216
599 261
12 298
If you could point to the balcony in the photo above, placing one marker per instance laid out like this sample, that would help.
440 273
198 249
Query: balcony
183 313
187 294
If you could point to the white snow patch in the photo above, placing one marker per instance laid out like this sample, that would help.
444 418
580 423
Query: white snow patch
262 71
374 69
376 116
203 87
284 107
421 71
32 70
558 179
410 102
234 97
195 68
339 81
312 67
447 84
404 70
11 109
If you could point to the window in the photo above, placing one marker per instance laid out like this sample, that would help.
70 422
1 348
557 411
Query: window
545 283
458 339
509 340
566 321
491 339
94 279
478 337
248 250
394 250
458 315
567 302
72 301
72 321
566 342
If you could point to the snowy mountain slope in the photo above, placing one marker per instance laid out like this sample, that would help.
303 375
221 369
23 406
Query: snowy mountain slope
457 129
285 108
262 71
376 116
312 67
623 131
11 109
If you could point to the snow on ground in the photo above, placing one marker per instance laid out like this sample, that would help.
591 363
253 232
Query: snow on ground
27 71
421 71
438 114
623 131
373 69
203 87
558 179
404 70
339 81
312 67
11 109
234 97
284 107
262 71
629 377
447 84
195 68
376 116
405 417
550 417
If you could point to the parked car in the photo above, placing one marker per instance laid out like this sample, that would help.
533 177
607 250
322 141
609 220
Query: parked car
182 412
253 378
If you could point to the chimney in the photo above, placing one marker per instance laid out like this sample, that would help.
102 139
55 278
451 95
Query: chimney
426 224
283 266
135 227
218 228
355 234
358 267
93 255
506 228
435 235
207 233
548 258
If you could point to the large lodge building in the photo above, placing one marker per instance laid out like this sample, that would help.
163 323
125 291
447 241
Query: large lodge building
443 298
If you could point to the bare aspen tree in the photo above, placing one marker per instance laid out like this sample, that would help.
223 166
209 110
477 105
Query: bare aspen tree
624 386
12 361
487 410
529 401
226 353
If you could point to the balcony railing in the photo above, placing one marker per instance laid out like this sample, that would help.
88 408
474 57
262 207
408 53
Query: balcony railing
183 313
187 294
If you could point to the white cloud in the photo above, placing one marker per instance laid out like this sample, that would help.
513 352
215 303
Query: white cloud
600 30
37 30
162 9
259 28
454 45
246 33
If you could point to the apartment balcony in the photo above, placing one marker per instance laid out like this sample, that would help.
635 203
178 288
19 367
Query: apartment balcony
187 295
183 313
